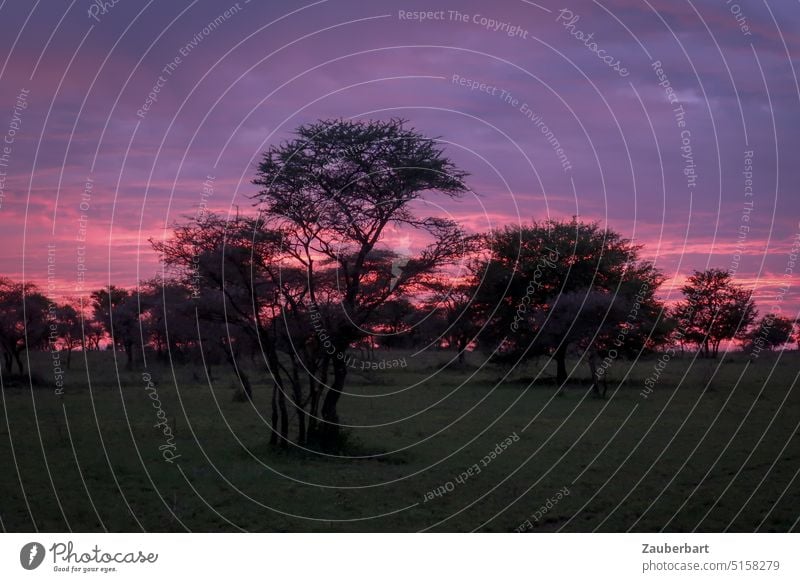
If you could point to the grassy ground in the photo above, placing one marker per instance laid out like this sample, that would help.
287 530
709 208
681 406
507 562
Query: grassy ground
714 447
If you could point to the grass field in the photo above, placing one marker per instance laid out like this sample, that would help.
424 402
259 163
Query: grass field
715 447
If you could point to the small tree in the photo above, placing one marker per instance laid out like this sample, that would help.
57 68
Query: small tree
769 333
94 333
23 320
391 328
457 324
116 309
234 270
168 316
715 309
70 332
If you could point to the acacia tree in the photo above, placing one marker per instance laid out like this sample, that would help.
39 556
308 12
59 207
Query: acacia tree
249 299
427 327
233 271
394 319
94 333
332 191
23 310
770 332
167 316
70 329
715 309
551 285
117 311
457 325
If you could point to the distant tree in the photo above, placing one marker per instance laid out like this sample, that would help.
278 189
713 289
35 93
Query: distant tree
453 302
770 332
551 285
168 316
69 328
715 309
392 323
246 300
94 333
23 321
117 311
428 327
332 191
227 265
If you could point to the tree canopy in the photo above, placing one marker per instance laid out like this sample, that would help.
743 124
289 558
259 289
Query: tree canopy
549 285
715 309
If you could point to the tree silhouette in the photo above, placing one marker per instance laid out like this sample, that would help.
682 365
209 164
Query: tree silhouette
550 285
770 332
457 326
168 323
23 322
714 309
69 329
332 191
117 311
235 272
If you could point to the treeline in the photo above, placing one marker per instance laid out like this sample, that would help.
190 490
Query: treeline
551 288
312 280
112 318
542 301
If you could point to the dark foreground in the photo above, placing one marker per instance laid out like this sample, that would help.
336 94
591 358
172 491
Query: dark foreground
715 447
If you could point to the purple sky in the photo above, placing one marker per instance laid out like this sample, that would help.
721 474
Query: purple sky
265 68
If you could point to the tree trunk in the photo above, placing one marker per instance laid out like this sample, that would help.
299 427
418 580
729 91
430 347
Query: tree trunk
18 357
9 362
129 352
316 385
280 413
248 389
273 437
561 364
208 366
313 407
284 417
330 415
243 378
592 359
462 348
297 395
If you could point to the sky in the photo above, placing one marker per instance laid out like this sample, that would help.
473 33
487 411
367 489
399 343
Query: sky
673 122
